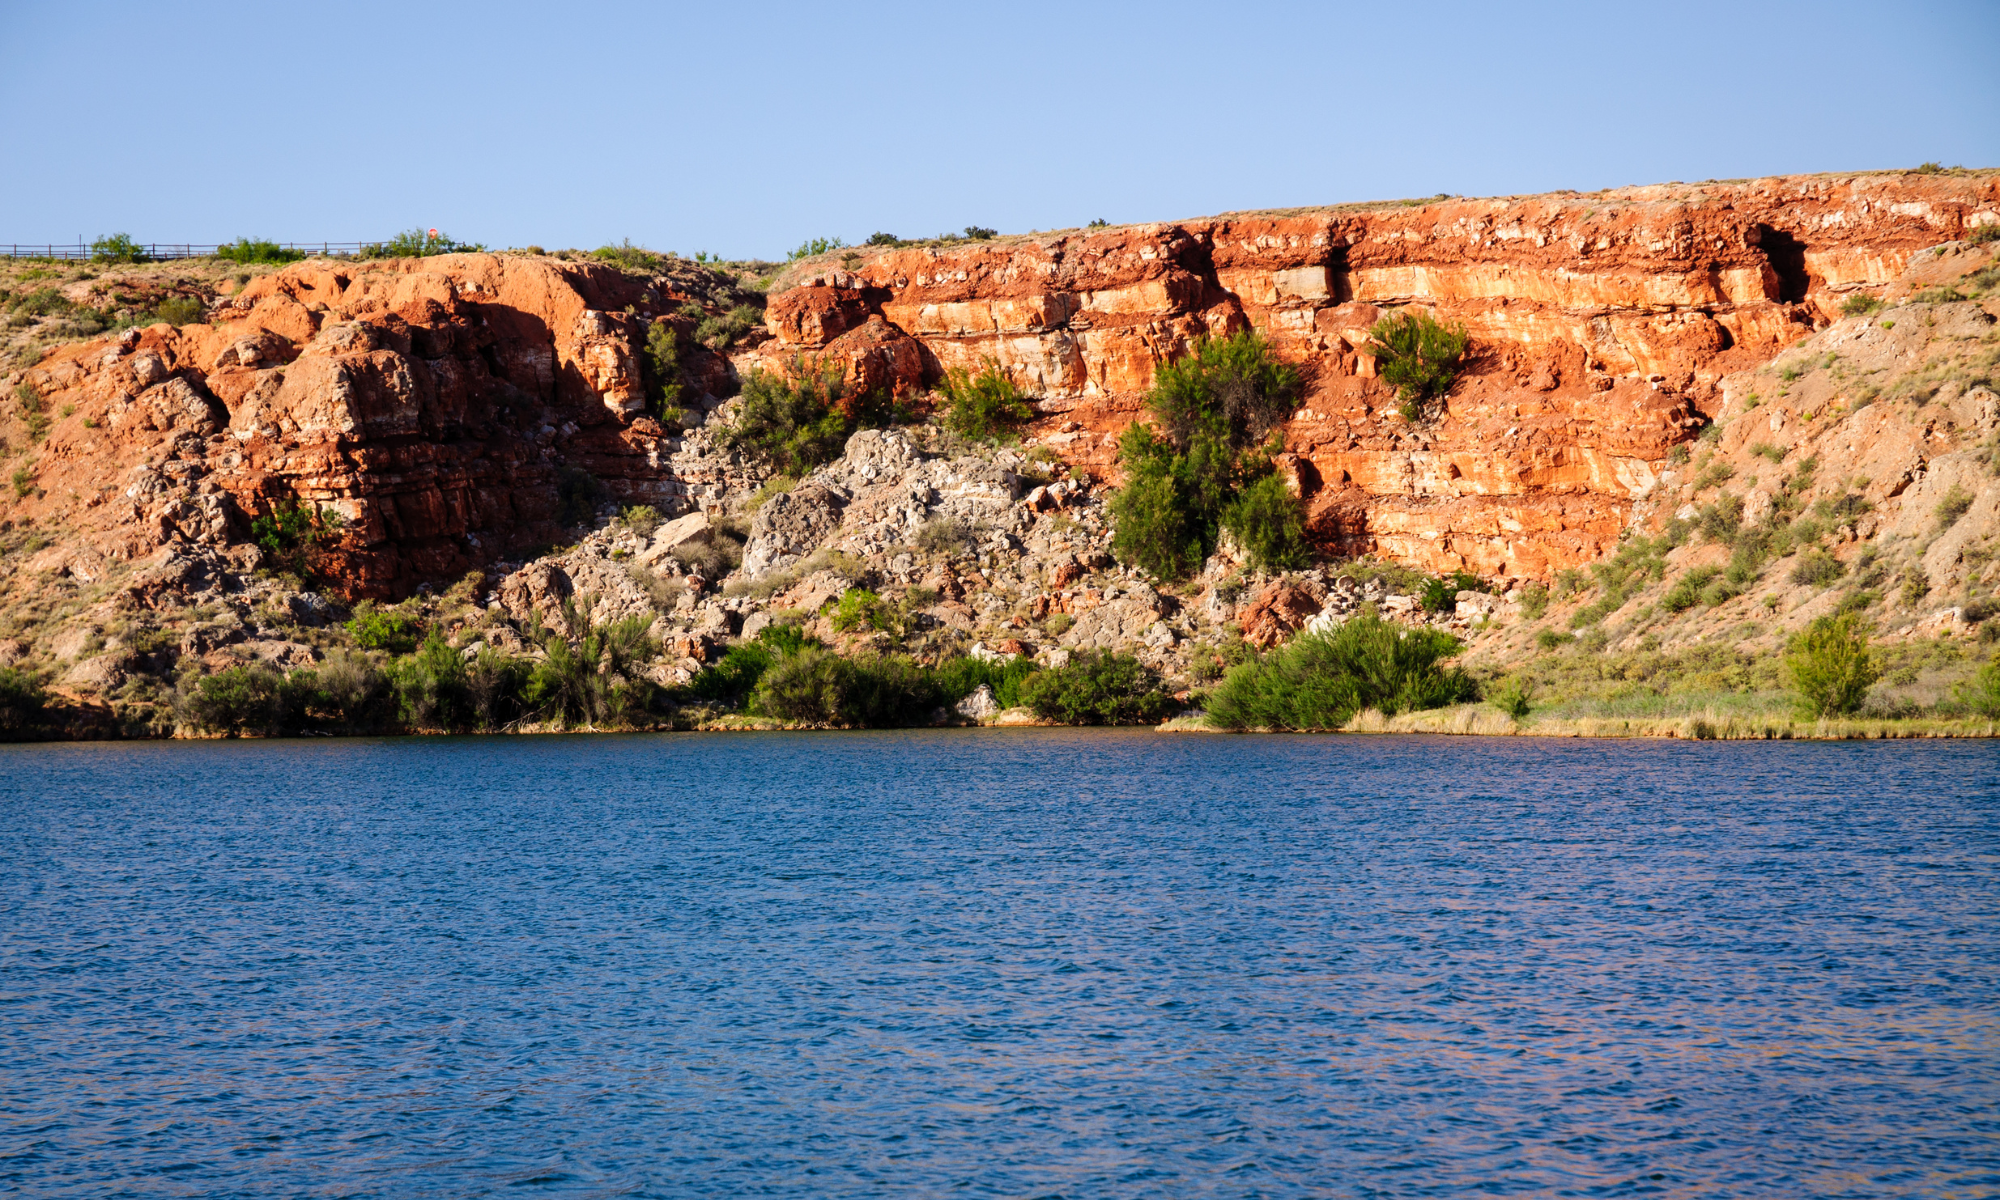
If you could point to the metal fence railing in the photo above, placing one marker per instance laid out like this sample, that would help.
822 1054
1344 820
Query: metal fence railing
163 251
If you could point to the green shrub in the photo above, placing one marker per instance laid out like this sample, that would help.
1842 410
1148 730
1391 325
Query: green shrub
246 699
42 302
22 702
1981 693
1549 639
24 482
812 246
1989 232
641 519
179 310
1829 667
1859 305
1319 681
117 247
860 608
257 250
958 678
1534 600
1213 408
627 257
1417 355
1098 688
794 425
1955 504
1817 568
662 370
1266 521
735 675
816 685
1229 393
372 628
722 331
986 405
589 673
419 243
1686 592
1515 697
1440 595
431 687
293 535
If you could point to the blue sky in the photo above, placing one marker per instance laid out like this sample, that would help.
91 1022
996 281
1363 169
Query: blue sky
745 129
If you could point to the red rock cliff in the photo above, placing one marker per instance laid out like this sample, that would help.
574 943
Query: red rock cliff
1600 323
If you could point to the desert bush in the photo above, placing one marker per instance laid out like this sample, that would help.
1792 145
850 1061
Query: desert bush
710 559
1319 681
294 535
245 699
628 257
1266 521
1440 595
373 628
22 702
349 694
812 246
1514 696
432 691
1549 639
662 371
1098 688
1417 355
945 535
179 310
793 424
1534 600
734 676
418 243
1686 592
1213 407
589 674
860 608
1817 568
641 519
1859 305
1829 667
257 250
983 405
1984 234
721 331
1981 693
1955 504
117 247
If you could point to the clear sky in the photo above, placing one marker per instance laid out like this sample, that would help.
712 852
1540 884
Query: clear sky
743 129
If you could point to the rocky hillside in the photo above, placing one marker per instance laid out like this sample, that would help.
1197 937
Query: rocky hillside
1664 394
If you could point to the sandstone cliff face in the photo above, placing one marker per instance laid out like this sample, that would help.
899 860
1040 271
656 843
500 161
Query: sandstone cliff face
1602 325
433 403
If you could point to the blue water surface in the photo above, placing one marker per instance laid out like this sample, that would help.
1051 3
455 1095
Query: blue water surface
1022 963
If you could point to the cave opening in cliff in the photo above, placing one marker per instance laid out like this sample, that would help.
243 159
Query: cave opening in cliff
1787 256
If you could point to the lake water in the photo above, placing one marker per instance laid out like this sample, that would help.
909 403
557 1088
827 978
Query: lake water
1024 963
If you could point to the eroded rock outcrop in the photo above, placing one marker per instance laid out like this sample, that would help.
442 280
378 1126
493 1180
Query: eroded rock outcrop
1602 326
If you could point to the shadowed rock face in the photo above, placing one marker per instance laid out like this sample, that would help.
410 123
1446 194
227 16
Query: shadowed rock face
1601 328
434 403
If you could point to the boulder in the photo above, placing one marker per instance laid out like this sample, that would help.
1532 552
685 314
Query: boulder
681 531
791 525
1280 610
102 673
980 705
1113 625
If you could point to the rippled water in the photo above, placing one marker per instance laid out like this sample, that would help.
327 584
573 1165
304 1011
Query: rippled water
1008 963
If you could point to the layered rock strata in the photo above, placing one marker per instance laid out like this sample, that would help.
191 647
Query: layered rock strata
1601 325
